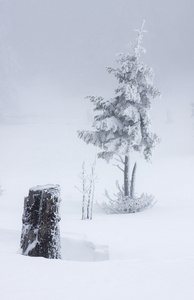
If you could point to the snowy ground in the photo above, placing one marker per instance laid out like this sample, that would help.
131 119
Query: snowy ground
151 253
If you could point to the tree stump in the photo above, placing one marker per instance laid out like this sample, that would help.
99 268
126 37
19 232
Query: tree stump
40 230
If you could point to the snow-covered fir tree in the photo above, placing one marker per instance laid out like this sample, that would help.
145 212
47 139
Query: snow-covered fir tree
122 123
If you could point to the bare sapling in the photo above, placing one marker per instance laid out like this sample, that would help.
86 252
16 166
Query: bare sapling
87 189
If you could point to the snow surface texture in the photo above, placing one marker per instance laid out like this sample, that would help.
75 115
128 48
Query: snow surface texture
76 247
151 253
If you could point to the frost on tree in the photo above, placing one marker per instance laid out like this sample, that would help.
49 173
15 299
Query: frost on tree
122 123
40 230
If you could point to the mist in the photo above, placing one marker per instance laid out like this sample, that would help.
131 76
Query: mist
55 53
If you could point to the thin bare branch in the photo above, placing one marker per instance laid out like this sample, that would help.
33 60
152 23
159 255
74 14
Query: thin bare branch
120 160
118 167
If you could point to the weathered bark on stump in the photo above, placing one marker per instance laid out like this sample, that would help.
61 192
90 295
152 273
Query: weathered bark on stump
40 230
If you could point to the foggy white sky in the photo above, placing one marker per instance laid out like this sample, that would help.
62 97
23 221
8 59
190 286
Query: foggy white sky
72 41
63 47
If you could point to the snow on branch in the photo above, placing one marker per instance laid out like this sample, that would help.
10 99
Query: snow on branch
125 205
122 123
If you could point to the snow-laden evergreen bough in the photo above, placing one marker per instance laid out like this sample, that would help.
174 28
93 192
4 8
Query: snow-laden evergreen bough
122 123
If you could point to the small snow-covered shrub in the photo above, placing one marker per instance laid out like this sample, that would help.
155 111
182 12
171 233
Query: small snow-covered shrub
125 205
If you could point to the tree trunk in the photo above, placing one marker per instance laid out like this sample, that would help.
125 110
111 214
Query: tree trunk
83 191
89 204
132 187
40 230
92 201
126 177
